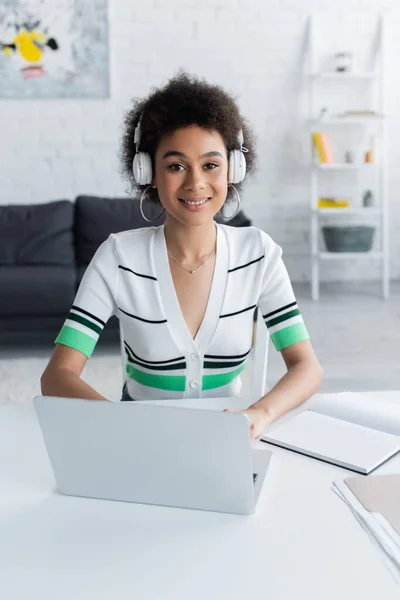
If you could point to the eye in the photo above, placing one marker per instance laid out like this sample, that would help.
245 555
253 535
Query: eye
211 165
172 167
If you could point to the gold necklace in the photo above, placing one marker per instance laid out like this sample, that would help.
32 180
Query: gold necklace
192 271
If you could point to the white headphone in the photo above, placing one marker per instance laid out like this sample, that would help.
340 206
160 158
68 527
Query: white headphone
143 172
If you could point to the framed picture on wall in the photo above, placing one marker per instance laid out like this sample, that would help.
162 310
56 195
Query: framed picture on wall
54 49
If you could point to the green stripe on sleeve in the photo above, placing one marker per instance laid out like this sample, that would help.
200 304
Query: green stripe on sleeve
69 336
73 317
176 383
214 381
284 317
289 335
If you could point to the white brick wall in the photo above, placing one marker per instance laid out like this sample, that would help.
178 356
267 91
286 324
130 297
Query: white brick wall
255 48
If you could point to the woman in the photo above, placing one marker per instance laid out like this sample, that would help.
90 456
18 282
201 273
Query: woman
185 292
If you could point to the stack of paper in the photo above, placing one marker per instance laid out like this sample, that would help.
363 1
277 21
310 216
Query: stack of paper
375 502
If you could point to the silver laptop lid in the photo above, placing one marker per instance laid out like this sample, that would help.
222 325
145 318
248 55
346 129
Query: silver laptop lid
149 454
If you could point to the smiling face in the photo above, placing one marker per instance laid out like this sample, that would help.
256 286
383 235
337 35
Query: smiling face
191 174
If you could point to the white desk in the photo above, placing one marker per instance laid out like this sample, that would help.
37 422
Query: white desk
303 542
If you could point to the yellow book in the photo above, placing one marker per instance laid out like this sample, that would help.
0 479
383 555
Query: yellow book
333 203
316 136
323 145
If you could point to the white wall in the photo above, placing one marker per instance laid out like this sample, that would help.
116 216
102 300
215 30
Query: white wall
255 48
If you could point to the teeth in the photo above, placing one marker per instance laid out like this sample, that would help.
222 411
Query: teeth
194 203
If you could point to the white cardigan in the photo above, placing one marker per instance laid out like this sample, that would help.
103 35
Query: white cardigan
129 277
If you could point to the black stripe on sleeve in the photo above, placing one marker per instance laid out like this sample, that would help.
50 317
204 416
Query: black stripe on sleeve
85 322
247 264
137 274
274 312
85 312
237 312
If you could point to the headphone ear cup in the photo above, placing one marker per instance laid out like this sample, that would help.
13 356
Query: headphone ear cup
142 168
237 166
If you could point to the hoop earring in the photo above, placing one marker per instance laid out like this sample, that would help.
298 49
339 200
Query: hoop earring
141 207
237 208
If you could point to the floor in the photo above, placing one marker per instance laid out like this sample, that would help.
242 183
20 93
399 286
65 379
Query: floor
355 334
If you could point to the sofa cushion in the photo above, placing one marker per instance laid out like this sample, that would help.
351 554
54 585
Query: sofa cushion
36 290
97 217
239 220
16 329
37 234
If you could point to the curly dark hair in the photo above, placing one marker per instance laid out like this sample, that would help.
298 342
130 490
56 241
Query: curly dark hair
185 100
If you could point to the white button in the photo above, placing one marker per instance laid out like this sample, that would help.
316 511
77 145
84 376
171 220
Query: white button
195 356
194 384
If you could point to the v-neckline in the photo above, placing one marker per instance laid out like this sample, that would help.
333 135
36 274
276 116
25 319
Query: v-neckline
169 297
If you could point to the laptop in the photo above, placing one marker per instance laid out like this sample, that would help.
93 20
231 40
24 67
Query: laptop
165 455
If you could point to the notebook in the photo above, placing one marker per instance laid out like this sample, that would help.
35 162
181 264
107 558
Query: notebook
348 430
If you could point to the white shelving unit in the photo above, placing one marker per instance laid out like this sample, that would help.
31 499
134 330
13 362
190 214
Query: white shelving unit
348 76
344 166
380 211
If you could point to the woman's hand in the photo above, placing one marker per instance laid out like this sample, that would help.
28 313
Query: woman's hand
259 419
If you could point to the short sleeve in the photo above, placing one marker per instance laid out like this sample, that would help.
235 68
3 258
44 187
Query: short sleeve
277 302
95 301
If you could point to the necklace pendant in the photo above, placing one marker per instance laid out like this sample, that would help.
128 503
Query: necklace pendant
193 271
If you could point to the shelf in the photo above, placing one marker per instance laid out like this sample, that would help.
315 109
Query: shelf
345 76
361 116
345 255
344 166
347 211
347 120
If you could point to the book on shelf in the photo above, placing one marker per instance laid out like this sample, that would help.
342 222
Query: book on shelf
333 203
323 146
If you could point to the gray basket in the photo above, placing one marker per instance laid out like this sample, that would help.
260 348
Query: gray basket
357 238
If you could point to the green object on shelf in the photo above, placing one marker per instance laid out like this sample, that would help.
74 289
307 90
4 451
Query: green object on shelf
368 199
350 238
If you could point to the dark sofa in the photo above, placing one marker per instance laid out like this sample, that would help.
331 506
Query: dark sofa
45 249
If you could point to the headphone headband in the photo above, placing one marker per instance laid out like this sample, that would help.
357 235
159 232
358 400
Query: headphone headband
137 134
